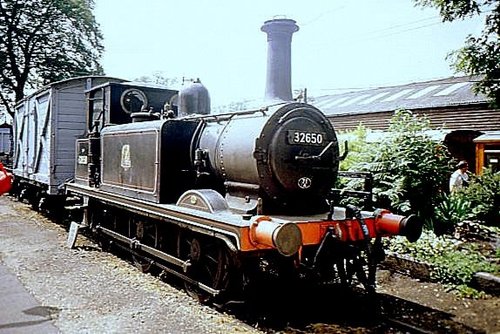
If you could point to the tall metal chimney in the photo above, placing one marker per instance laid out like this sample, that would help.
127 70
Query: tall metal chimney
279 59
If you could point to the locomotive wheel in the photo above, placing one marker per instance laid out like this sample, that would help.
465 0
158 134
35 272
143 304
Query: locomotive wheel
209 264
148 234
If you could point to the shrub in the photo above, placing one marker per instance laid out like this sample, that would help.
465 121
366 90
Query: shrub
458 267
358 147
410 169
449 211
411 172
483 193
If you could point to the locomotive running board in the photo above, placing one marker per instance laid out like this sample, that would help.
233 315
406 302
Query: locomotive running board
194 220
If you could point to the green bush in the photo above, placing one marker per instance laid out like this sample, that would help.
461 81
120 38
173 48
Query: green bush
410 169
483 193
411 172
358 147
480 202
426 248
458 267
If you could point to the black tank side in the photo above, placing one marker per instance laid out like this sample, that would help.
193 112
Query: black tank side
148 160
177 172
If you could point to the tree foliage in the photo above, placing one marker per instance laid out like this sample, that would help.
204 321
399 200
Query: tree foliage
481 54
159 78
43 41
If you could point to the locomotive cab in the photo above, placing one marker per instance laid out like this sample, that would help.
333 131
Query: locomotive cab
115 103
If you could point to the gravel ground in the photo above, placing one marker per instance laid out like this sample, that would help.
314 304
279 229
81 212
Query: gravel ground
92 291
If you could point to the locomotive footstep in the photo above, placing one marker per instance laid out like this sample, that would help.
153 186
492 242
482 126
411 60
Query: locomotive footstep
73 234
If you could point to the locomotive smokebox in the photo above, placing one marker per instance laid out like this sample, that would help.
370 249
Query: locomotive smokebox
279 44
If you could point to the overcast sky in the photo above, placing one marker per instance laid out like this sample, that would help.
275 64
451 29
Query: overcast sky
340 44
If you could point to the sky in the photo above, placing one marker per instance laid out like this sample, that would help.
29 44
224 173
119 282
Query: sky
340 45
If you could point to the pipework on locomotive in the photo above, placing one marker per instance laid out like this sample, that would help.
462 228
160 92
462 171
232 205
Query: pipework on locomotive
222 200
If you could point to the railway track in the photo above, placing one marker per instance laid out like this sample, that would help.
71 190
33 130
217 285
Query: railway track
394 324
333 310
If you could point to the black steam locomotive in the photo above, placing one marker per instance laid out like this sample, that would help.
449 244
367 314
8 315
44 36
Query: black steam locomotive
223 200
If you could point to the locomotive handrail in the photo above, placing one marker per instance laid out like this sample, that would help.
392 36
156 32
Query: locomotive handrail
365 194
346 151
230 115
315 157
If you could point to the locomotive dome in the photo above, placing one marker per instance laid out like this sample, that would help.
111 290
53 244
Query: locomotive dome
194 99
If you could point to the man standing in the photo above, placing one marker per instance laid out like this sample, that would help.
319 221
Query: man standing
459 178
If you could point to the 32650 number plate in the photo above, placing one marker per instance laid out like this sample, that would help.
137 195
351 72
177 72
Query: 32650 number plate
306 138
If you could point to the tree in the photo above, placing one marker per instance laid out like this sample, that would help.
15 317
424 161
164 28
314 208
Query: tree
480 55
43 41
158 78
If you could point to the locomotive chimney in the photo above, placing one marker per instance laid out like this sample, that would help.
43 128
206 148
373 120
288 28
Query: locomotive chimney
279 43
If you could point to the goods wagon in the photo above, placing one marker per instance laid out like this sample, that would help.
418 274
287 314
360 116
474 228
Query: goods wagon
46 125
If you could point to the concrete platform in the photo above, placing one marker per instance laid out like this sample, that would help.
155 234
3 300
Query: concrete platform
19 310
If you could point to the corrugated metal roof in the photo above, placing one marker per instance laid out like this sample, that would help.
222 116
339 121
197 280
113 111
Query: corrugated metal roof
454 91
488 137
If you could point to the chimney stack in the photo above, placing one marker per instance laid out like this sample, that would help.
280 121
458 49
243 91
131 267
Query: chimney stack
279 60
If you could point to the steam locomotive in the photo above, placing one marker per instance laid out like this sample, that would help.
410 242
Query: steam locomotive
217 200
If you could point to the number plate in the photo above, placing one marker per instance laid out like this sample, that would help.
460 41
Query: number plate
82 160
306 138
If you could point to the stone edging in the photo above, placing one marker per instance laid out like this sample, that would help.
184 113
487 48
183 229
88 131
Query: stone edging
407 265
